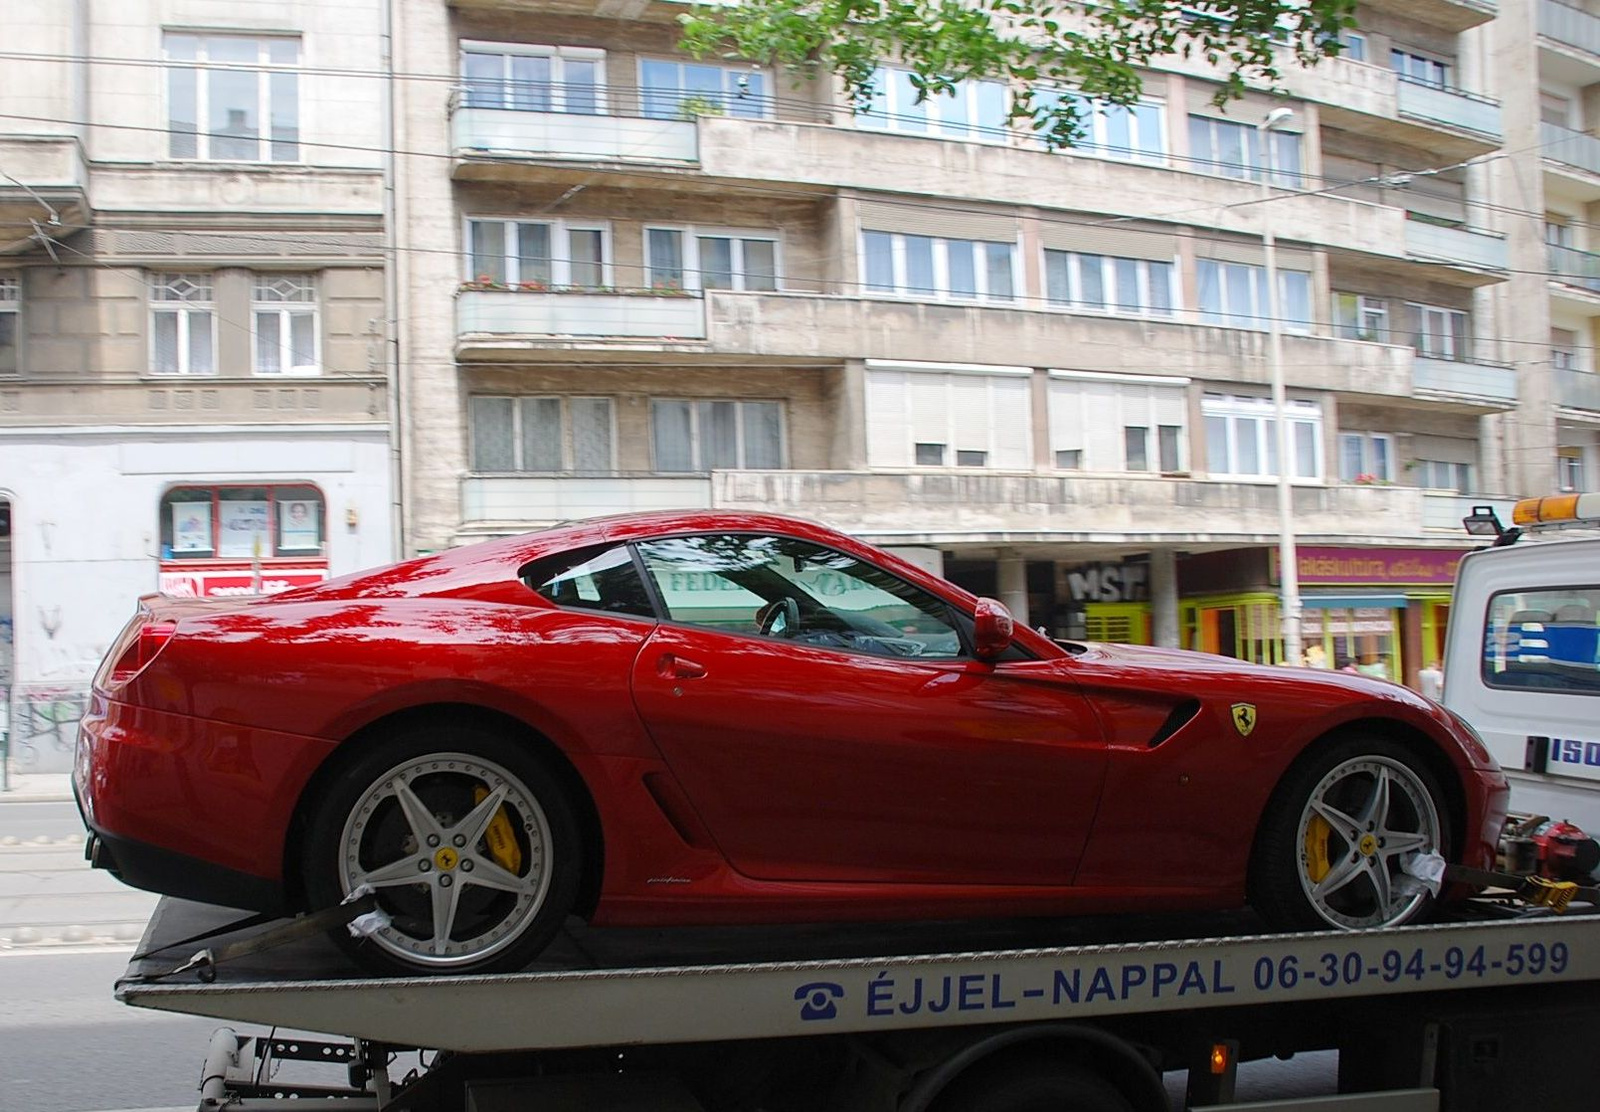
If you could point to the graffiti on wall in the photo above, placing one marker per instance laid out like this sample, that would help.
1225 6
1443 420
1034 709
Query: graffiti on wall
44 725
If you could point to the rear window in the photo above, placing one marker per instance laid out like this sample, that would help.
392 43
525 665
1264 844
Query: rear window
1544 640
592 579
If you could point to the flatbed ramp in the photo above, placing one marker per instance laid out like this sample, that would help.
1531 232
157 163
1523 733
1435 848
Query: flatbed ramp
570 1003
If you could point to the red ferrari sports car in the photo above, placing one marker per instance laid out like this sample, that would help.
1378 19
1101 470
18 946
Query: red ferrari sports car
707 717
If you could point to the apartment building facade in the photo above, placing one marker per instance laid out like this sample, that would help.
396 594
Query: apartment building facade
193 397
680 281
625 278
1548 188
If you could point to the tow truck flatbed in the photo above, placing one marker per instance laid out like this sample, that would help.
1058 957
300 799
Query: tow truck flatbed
1145 990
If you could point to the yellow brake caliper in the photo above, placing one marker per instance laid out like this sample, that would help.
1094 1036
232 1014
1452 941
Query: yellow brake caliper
501 838
1317 834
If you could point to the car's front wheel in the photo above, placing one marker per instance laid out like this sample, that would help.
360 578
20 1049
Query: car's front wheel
1335 839
467 841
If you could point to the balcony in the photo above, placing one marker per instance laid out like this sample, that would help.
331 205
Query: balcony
1461 247
1570 150
832 327
605 136
40 171
1478 381
1452 108
488 316
1569 27
1572 267
1454 16
939 507
523 501
1443 510
1577 389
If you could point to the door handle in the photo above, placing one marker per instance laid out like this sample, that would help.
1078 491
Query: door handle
673 667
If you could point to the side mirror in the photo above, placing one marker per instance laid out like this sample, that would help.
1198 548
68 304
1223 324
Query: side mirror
992 628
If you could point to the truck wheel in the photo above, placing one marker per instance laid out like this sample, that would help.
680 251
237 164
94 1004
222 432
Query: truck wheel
1333 838
468 842
1036 1086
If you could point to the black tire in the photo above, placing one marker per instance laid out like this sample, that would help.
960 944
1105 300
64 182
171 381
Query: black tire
1032 1085
503 892
1313 872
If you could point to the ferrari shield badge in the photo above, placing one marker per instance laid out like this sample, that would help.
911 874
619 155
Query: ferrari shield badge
1244 718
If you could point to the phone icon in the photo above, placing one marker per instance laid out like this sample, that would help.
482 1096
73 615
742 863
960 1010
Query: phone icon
819 997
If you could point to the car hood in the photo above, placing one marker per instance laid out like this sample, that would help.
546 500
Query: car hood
1242 672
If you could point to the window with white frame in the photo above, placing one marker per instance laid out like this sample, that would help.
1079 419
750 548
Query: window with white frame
1359 317
537 254
1101 422
233 97
673 90
182 324
935 416
1109 284
1366 457
1569 469
1135 132
1235 295
697 435
1440 333
1420 68
930 266
1242 437
1440 474
972 110
1234 150
1355 45
1557 230
533 78
284 312
10 322
710 259
541 434
1564 349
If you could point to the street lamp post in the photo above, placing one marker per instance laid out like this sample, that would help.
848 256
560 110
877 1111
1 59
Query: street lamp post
1288 568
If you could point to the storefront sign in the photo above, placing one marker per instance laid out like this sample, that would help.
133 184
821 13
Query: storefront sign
237 581
1388 566
1129 582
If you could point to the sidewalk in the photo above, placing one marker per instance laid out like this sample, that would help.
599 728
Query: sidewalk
38 787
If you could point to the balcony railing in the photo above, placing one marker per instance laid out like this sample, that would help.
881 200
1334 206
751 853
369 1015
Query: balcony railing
524 500
1489 381
1420 100
1577 389
578 121
1569 26
1456 246
1576 149
936 505
1575 268
580 313
1443 510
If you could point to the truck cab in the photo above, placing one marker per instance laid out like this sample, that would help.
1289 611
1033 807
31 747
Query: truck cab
1522 655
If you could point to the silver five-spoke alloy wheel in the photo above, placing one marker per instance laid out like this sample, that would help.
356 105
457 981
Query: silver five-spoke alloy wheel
457 849
1358 824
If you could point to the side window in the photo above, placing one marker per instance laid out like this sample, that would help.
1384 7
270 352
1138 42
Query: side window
785 588
1544 640
591 579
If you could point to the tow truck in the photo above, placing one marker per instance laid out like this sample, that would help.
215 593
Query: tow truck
1496 1008
1522 651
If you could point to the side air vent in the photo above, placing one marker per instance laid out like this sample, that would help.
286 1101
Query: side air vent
1180 716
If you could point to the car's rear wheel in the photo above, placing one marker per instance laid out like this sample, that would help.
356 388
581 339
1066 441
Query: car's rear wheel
1336 836
467 841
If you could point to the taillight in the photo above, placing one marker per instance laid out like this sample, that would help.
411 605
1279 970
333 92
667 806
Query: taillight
150 640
